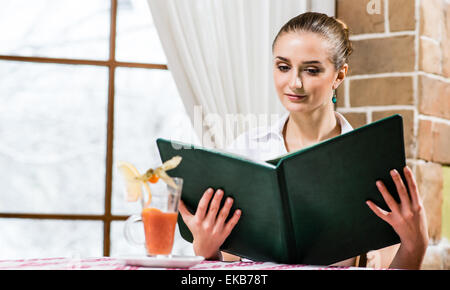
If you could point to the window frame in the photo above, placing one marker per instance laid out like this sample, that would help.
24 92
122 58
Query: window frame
107 218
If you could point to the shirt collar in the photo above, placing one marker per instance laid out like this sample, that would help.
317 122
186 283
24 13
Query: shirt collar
345 125
277 128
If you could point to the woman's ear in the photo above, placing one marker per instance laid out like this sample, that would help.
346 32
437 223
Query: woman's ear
342 73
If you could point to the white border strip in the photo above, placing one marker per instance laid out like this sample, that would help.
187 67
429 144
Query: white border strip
382 35
370 109
382 75
399 74
434 119
434 76
432 40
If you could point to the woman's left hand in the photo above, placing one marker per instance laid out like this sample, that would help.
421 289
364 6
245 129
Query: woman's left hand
407 218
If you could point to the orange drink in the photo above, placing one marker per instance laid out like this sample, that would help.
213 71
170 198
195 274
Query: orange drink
159 228
159 217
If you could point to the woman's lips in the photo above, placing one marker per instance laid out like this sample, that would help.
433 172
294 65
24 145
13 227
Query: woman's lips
296 97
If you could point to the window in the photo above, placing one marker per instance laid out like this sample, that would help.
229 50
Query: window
81 87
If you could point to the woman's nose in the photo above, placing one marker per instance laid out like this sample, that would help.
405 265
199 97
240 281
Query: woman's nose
295 82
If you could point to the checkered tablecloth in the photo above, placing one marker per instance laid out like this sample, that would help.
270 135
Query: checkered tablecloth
110 263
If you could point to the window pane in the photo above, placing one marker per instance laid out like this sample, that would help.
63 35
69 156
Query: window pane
137 38
55 28
147 106
26 238
119 246
52 137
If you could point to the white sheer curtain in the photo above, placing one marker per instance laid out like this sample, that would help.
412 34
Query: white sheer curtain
219 53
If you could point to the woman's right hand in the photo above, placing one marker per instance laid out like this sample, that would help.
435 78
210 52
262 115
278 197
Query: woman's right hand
207 227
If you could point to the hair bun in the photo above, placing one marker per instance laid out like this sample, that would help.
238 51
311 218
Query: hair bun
346 32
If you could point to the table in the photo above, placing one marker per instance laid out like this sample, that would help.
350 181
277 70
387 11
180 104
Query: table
111 263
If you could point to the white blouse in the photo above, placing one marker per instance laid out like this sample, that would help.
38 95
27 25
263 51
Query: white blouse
266 143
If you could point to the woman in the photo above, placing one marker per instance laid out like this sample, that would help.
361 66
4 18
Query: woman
310 62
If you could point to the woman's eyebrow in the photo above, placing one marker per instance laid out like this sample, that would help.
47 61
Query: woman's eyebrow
312 62
282 58
305 62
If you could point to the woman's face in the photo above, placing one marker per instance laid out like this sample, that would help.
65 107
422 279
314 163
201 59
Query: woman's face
303 74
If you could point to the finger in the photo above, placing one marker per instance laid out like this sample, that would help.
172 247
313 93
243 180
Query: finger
232 222
214 206
203 204
185 214
384 215
224 212
401 189
390 201
412 185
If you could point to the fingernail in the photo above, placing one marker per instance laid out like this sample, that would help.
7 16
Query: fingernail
394 172
219 192
229 200
238 212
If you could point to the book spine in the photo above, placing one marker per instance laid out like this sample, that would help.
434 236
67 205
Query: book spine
288 225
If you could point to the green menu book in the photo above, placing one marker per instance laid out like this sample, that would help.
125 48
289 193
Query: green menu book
306 207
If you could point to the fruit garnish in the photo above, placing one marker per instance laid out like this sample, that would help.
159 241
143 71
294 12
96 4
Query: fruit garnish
134 180
171 163
133 185
154 178
160 172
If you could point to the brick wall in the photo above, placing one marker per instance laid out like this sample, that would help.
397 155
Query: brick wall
401 64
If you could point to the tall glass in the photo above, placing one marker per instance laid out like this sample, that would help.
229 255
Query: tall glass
159 217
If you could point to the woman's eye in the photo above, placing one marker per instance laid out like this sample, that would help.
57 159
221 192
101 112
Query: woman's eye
283 68
312 71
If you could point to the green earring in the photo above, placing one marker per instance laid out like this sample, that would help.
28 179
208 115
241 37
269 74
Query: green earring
334 97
